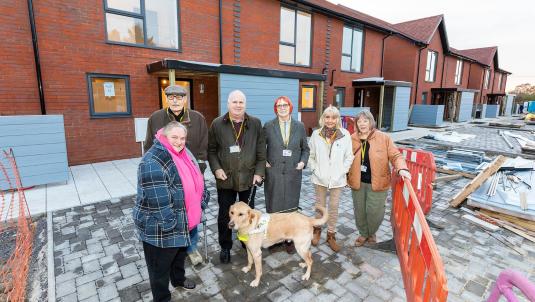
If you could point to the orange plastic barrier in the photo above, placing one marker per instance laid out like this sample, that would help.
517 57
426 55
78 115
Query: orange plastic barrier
422 166
421 266
14 215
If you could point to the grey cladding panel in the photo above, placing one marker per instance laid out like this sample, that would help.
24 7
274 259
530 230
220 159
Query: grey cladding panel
260 93
38 143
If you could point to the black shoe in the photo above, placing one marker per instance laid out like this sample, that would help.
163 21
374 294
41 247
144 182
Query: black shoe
224 256
187 284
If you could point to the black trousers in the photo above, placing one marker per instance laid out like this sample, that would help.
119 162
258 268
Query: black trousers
164 264
226 198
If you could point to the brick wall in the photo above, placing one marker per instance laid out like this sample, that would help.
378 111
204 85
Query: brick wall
18 83
80 48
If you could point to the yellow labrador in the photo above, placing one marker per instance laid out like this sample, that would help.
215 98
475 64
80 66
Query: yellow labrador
259 230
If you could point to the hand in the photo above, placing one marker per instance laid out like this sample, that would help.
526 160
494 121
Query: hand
300 165
405 174
268 165
220 174
257 179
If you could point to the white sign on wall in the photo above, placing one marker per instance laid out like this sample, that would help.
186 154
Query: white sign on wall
109 89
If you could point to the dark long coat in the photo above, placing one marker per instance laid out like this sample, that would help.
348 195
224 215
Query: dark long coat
283 181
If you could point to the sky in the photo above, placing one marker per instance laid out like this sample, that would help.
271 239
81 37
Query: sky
510 25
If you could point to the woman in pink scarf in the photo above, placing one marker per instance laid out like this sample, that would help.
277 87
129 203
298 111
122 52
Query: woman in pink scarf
171 195
173 138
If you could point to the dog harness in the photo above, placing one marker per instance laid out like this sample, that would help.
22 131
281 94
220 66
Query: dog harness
261 227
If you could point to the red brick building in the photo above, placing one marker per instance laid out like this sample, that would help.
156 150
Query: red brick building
442 74
102 64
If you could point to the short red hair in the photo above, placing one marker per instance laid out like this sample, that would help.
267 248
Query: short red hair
284 99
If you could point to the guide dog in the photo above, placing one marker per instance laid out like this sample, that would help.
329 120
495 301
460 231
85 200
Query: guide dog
259 230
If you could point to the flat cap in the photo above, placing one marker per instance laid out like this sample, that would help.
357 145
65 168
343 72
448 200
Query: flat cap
175 89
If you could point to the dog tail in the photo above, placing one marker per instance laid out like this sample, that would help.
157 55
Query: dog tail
323 219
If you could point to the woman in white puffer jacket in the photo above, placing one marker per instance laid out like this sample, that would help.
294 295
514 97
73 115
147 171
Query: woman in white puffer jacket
330 158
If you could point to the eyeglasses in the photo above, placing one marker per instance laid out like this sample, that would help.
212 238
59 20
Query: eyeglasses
176 97
283 106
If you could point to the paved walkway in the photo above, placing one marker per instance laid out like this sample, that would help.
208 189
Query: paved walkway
98 258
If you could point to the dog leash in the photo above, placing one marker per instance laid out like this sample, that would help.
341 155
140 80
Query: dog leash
253 192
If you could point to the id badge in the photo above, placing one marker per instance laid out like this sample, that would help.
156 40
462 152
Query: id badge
363 169
235 149
286 152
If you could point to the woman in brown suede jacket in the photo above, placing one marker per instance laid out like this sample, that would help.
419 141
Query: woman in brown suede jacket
369 175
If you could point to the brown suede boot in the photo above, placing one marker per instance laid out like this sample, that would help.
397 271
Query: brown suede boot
316 236
331 241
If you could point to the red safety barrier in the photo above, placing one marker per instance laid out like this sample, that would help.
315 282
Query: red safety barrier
422 166
421 266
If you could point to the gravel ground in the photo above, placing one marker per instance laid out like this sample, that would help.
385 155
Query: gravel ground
37 284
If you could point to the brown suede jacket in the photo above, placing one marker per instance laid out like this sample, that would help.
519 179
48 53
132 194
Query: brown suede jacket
382 151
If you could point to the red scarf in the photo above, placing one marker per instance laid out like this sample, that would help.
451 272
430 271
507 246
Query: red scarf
192 180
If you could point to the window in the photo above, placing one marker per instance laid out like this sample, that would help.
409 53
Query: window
352 49
424 98
308 98
431 66
295 37
109 95
151 23
459 72
487 79
499 81
339 97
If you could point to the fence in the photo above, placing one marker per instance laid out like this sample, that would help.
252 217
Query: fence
422 166
14 218
421 265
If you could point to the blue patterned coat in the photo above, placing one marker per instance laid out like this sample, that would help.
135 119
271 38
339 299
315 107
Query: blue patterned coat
160 211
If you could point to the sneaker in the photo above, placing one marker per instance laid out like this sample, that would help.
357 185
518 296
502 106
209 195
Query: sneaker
195 257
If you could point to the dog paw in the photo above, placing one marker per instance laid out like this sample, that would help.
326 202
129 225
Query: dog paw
246 269
305 277
302 264
254 283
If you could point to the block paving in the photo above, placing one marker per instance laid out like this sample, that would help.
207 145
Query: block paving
98 258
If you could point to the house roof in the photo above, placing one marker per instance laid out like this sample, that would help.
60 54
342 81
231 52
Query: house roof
421 29
348 13
483 55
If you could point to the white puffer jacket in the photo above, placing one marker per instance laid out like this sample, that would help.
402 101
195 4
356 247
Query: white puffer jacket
330 165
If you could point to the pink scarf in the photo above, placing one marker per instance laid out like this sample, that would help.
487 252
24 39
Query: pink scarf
192 180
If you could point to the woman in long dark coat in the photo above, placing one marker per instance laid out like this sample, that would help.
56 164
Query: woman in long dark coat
287 156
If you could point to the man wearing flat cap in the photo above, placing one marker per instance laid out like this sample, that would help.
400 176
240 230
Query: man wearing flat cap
196 140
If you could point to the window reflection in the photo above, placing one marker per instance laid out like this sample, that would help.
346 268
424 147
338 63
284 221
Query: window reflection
132 6
162 23
124 29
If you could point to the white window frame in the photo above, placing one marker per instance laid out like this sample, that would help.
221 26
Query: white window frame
486 79
354 51
294 43
499 81
459 72
431 66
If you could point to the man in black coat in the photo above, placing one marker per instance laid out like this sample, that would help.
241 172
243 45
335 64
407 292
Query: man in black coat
237 157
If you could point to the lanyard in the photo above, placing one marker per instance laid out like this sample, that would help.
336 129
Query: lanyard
234 129
363 150
286 139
